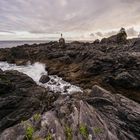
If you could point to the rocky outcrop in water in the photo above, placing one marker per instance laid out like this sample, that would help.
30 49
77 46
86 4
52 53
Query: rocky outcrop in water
44 79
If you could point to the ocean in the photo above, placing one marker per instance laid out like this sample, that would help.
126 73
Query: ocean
10 44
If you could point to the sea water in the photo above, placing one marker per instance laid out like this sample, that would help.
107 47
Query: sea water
36 70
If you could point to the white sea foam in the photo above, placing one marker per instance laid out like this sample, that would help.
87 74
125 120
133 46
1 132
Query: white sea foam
36 70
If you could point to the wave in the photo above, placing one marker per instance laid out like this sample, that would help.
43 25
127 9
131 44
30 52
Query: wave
35 71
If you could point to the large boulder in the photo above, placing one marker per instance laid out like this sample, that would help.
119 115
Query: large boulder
98 91
122 36
44 79
119 38
136 45
97 41
125 80
20 98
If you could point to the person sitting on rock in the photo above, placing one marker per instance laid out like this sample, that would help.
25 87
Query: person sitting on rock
62 41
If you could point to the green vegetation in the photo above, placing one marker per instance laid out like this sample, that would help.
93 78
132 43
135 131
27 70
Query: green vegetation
49 137
37 117
83 130
29 132
68 132
97 130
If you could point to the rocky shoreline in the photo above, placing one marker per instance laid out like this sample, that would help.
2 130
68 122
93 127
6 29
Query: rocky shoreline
108 72
112 66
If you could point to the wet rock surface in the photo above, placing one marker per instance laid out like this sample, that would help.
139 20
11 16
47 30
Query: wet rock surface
44 79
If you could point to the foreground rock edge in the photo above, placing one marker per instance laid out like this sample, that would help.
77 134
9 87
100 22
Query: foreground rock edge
94 114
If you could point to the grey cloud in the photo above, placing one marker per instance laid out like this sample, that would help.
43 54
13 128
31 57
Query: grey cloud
55 16
111 33
132 32
4 31
102 34
99 34
92 35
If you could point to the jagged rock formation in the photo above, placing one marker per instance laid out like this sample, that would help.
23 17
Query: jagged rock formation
97 41
120 38
20 98
97 114
86 64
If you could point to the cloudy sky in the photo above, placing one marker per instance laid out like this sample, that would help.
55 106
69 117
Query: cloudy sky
76 19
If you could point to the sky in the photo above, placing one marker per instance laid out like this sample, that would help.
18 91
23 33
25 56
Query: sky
76 19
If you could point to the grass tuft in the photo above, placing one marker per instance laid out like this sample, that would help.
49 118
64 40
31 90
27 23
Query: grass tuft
83 130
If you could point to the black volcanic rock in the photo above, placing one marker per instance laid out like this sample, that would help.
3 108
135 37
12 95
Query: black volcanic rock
65 59
99 115
5 85
44 79
119 38
122 36
97 41
126 80
136 45
20 98
86 64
